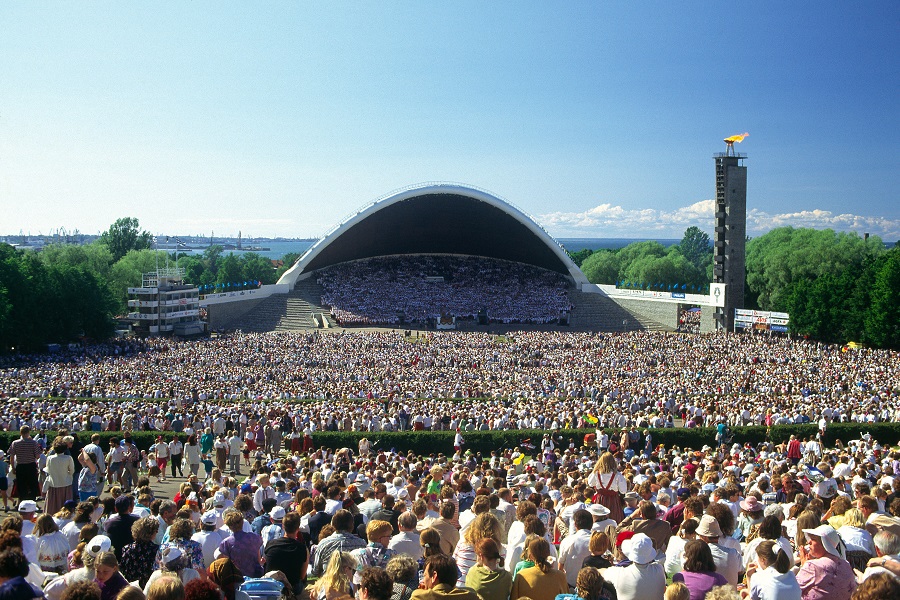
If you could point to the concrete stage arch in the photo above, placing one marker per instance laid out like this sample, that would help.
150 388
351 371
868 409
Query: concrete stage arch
437 219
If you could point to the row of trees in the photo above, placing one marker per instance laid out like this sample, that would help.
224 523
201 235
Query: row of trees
66 291
651 264
837 287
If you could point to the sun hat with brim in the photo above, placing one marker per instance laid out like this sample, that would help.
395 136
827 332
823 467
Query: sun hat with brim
830 538
752 504
639 549
623 536
709 527
598 510
885 523
98 544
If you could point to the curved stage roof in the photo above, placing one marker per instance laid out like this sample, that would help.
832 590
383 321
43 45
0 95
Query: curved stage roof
437 219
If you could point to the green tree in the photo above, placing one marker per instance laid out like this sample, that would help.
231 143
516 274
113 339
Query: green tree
287 261
193 268
129 270
665 270
696 248
784 256
255 267
637 250
124 236
882 320
579 257
95 258
229 270
602 267
211 257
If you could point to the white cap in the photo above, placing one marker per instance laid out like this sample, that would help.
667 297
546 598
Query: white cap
170 554
277 513
209 518
98 544
28 506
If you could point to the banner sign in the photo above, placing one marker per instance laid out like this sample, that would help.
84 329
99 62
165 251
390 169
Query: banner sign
761 320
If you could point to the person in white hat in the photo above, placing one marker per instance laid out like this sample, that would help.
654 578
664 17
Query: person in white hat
824 572
173 563
209 537
27 508
644 577
96 545
602 522
274 530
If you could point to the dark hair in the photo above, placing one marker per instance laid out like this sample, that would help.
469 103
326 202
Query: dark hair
589 584
319 503
698 557
377 583
291 522
532 524
723 515
647 510
444 567
448 509
342 520
539 551
525 508
13 563
582 519
781 561
81 590
770 528
488 548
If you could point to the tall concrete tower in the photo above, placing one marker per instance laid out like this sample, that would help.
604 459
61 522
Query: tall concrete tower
729 254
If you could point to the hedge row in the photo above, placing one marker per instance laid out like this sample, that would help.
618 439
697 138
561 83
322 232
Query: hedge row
434 442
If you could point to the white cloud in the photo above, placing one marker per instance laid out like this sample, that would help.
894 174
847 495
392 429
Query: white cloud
608 220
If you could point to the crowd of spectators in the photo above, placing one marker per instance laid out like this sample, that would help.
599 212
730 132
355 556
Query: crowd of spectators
797 520
371 381
416 289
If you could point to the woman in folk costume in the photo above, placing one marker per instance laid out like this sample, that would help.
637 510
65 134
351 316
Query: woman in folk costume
609 484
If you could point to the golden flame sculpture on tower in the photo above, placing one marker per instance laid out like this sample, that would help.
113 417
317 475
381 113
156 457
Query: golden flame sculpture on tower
729 142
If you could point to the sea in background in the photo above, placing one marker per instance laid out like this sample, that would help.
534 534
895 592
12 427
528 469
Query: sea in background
278 248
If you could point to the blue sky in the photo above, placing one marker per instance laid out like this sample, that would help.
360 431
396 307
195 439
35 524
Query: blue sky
599 119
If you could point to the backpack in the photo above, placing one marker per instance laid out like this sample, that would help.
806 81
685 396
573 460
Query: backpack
262 588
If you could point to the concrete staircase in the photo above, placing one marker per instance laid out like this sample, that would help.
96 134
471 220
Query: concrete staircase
596 312
293 311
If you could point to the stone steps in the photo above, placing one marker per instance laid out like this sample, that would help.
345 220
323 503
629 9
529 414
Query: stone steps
293 311
597 312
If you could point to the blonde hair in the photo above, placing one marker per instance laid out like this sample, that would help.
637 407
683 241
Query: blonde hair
677 591
334 579
167 587
606 463
854 518
376 529
485 525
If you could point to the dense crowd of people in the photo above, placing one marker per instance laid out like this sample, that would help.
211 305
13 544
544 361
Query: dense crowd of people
416 289
689 320
791 521
371 381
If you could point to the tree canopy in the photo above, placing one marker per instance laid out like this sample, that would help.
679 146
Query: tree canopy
125 235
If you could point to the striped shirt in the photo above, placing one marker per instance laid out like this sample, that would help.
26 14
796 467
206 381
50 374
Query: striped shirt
24 451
